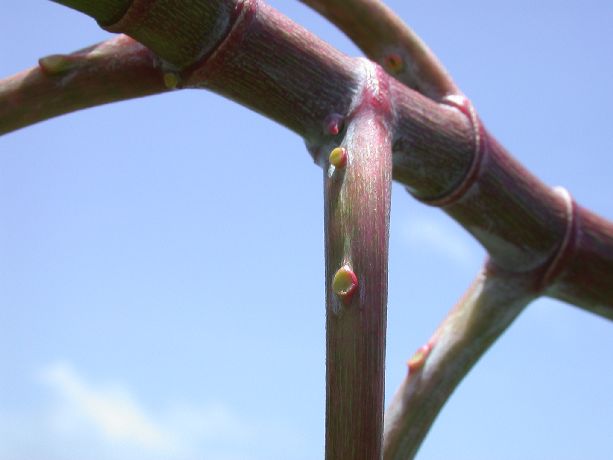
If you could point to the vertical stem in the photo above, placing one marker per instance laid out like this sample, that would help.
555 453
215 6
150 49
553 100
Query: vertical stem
357 204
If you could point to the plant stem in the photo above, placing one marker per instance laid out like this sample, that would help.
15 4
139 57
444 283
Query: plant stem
265 61
115 70
179 34
357 205
489 306
385 39
104 11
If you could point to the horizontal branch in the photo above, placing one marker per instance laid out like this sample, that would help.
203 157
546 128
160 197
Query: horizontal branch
579 275
114 70
252 54
104 11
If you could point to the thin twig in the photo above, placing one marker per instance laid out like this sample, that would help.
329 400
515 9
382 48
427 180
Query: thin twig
485 311
386 39
114 70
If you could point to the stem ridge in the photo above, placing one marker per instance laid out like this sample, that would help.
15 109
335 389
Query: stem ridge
558 261
453 195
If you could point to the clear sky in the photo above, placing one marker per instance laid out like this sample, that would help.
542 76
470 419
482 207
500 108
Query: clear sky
161 260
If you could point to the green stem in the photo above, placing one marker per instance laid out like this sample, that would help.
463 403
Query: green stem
487 309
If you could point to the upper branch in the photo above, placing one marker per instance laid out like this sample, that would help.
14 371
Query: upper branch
104 11
115 70
249 52
386 39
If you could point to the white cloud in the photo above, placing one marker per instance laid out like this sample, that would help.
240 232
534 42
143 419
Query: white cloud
99 422
112 411
441 238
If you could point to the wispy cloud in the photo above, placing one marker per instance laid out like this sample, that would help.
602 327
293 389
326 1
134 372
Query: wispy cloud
111 411
440 237
107 419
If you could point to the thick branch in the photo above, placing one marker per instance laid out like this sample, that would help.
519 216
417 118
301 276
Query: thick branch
104 11
268 63
357 180
482 315
180 34
580 274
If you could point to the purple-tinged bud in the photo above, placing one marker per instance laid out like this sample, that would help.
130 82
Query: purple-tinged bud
333 124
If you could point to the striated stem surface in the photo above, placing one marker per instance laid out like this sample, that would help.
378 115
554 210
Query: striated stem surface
263 60
104 11
540 240
585 256
357 178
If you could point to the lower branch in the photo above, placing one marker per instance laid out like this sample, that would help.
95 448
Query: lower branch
489 306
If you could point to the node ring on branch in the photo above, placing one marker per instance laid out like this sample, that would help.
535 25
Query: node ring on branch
465 105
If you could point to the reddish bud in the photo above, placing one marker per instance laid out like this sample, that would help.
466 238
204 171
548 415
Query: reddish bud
333 124
419 358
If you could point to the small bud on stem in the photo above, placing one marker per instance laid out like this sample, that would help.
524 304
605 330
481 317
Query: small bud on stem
345 283
338 157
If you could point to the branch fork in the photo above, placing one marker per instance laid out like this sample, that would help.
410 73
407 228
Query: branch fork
350 112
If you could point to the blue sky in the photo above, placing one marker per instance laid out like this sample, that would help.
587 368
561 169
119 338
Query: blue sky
161 260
